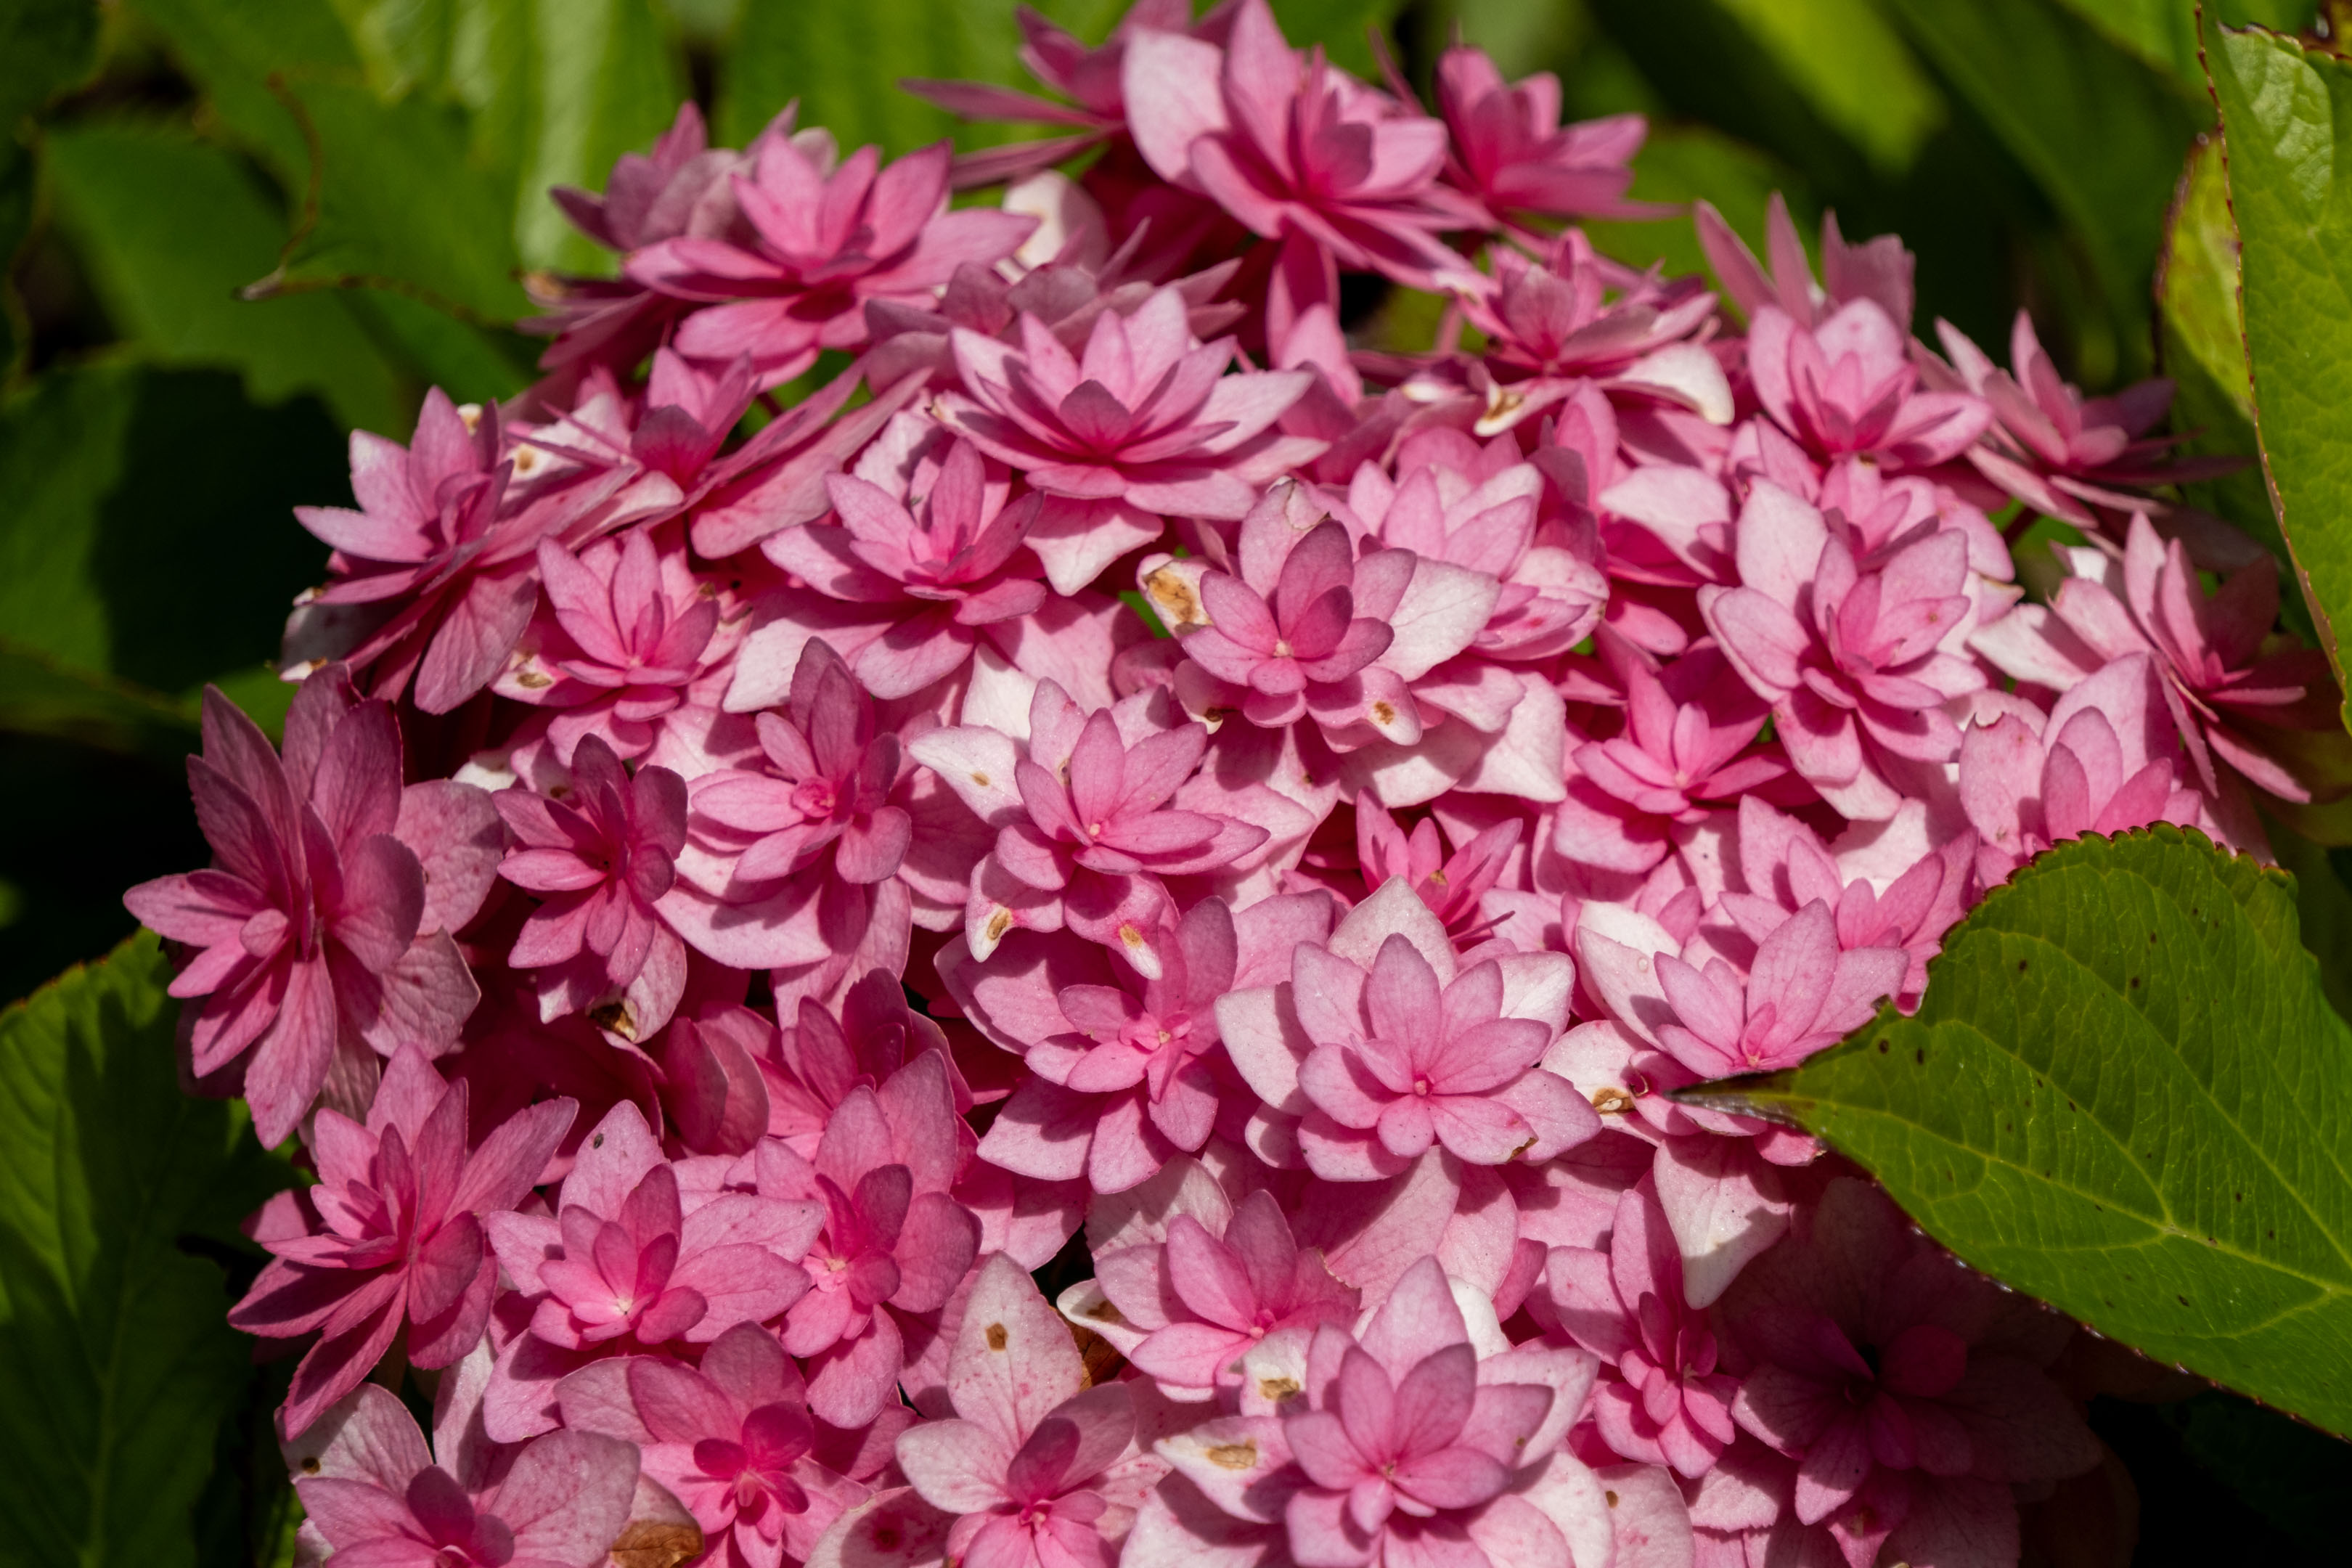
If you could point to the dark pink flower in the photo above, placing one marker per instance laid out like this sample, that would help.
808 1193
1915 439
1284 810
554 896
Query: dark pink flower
1513 154
824 240
1453 886
392 1233
601 856
1877 269
324 923
1801 994
1849 385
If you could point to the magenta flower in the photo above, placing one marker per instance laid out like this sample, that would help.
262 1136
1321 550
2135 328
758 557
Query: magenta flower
1877 269
730 1439
1036 1470
627 637
1513 154
812 1065
1856 663
1084 828
1848 385
1197 1301
1453 886
600 857
624 1265
1801 994
936 583
894 1245
824 240
1145 422
1668 1404
1896 1380
392 1233
324 924
1688 743
1299 153
435 576
372 1494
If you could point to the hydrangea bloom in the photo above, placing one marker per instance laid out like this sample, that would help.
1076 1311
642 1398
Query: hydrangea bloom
853 905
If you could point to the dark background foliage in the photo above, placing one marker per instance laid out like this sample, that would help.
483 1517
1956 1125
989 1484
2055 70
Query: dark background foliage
234 230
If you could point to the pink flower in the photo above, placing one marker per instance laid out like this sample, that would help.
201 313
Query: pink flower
1689 740
894 1245
1877 269
1511 152
1036 1470
811 1067
624 1265
1904 1387
600 857
436 575
1453 886
1084 828
1857 663
1848 385
1668 1404
1144 422
1402 1061
1194 1304
824 240
730 1439
1299 153
627 637
940 582
2101 763
374 1494
393 1231
325 921
1800 994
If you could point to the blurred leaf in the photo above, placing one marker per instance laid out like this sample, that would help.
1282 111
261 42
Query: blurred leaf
2163 32
116 1363
40 695
232 48
2323 905
2200 333
472 364
45 45
148 535
2126 1094
1679 164
2101 134
1339 26
2287 116
171 229
607 85
844 61
1856 70
2294 1478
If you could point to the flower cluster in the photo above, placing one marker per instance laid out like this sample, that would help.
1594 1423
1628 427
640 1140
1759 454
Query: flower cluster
955 738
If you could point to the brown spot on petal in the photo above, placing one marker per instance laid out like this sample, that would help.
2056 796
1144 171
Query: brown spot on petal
1131 937
1105 1312
996 1336
1275 1389
1611 1101
656 1543
616 1017
980 779
310 1464
999 923
1174 599
1612 1497
1383 714
1241 1456
531 679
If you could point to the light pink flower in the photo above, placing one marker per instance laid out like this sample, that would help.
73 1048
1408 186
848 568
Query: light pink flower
824 239
1667 1403
1143 423
1848 385
1453 886
600 857
1877 269
391 1232
730 1439
374 1494
1800 994
324 924
1036 1470
1857 663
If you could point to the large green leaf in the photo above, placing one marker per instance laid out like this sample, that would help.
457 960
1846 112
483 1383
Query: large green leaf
607 85
2163 32
116 1365
45 46
844 63
1682 163
1854 69
2124 1093
2101 132
2287 116
171 229
147 533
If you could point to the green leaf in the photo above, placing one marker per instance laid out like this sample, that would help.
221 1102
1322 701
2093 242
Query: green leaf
2101 134
40 695
844 63
2201 334
2286 114
2294 1478
1853 69
1679 164
232 48
1339 26
607 85
171 229
116 1365
45 45
2163 32
2124 1093
148 531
